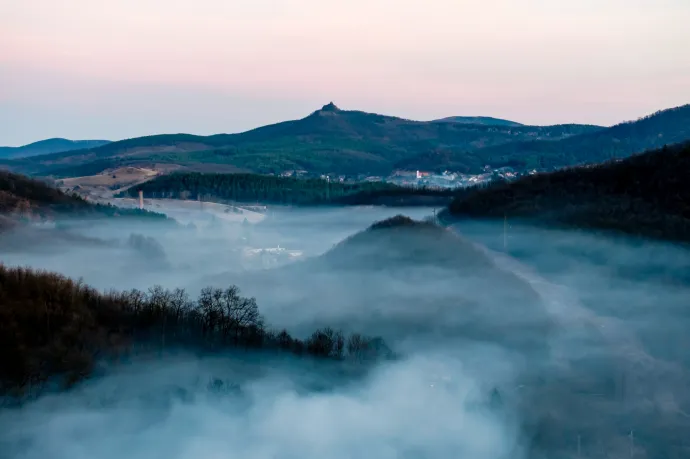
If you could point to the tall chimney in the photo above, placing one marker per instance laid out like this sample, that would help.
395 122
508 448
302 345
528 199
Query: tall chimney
141 199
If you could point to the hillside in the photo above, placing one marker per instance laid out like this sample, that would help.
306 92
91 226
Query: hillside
646 195
396 279
23 198
654 131
44 147
328 140
485 120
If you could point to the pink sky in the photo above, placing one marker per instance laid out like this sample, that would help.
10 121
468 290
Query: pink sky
118 69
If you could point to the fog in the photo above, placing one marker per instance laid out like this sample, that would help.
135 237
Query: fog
530 343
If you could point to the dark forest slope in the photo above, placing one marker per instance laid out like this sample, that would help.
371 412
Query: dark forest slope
328 140
654 131
647 195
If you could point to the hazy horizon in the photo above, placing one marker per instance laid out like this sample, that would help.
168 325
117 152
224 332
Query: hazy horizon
74 69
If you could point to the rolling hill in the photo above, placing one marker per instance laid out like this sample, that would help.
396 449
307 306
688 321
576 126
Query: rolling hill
645 195
661 128
328 140
48 146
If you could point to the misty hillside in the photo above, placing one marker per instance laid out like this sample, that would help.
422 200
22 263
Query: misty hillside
328 140
646 195
486 120
44 147
654 131
24 198
398 276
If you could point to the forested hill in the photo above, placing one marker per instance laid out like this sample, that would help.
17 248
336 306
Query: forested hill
25 198
328 140
646 195
251 188
654 131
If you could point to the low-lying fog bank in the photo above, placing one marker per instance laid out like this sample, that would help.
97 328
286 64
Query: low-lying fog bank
560 349
422 407
103 255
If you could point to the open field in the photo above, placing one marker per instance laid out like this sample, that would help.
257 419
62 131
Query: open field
112 181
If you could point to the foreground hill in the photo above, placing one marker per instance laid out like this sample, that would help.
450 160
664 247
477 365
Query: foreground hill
86 326
647 195
398 277
654 131
23 198
44 147
328 140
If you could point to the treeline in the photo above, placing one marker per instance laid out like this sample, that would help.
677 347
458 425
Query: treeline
55 329
646 195
268 189
250 188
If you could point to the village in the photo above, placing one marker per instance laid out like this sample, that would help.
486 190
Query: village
417 178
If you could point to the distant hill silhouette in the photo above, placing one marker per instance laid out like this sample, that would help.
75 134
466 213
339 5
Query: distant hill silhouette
397 277
486 120
48 146
661 128
328 140
645 195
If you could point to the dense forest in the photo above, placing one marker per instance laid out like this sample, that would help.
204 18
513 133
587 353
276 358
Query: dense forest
329 140
24 198
645 195
53 329
251 188
654 131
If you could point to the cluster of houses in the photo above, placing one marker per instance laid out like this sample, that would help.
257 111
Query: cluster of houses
449 179
446 179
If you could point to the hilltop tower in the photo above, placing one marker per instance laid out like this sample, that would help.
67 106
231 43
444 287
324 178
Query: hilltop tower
141 199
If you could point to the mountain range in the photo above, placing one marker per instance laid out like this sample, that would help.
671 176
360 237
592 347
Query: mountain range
331 140
328 140
43 147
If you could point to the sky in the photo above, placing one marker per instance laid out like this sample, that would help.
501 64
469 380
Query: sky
114 69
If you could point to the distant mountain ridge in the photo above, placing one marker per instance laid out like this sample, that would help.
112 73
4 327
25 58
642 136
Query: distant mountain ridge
619 141
328 140
485 120
47 146
348 142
